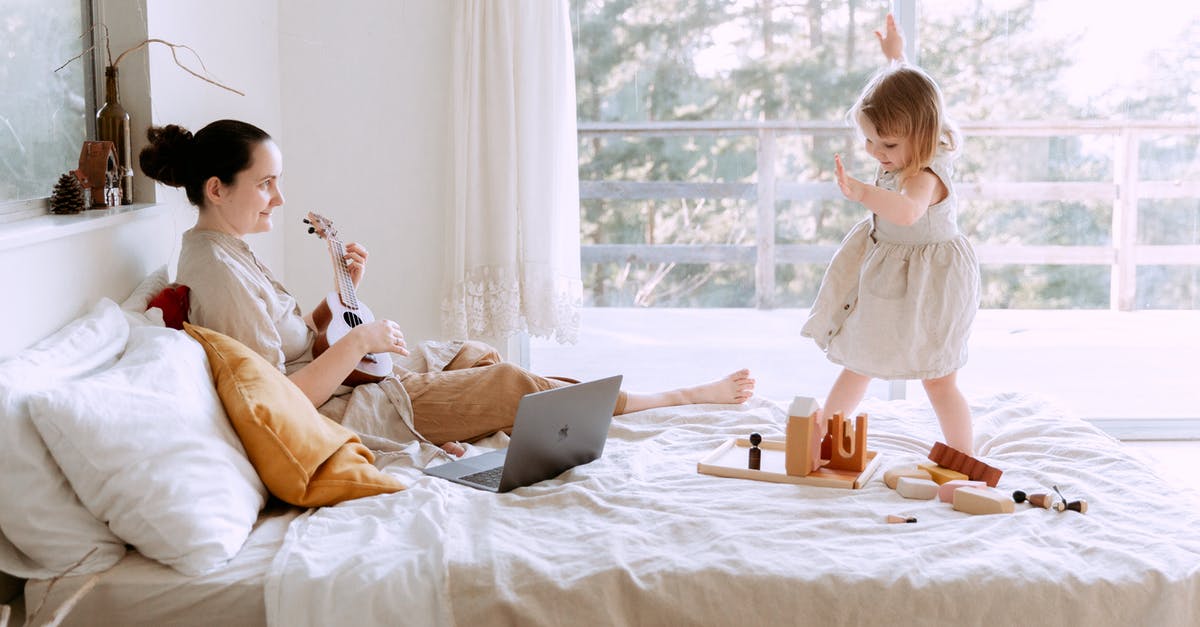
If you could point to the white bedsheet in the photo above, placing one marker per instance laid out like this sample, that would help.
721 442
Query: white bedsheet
639 537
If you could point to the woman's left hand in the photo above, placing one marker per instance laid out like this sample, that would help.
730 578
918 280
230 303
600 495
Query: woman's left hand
356 262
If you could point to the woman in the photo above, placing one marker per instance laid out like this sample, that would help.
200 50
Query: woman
231 172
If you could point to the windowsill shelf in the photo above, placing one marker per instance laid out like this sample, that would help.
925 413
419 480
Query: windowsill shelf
20 233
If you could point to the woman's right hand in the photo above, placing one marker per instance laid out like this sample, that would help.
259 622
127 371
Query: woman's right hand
380 336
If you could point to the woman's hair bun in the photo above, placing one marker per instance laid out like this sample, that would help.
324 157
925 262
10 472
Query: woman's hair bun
165 158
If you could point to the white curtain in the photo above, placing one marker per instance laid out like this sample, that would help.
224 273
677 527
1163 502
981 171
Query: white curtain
514 257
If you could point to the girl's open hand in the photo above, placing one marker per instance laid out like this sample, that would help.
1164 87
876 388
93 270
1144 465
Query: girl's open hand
851 187
356 262
891 41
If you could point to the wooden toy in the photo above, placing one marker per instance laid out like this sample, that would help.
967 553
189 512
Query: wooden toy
1075 506
1044 501
802 429
893 518
913 488
941 474
729 460
755 452
954 459
893 474
946 490
982 500
792 460
847 447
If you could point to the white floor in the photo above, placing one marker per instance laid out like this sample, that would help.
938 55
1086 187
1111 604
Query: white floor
1098 364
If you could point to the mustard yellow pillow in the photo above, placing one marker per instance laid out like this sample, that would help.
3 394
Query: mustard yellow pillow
303 457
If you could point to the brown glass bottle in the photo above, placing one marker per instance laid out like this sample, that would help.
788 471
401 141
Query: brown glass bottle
112 124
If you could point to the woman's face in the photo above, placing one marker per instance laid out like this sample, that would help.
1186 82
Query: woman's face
892 152
246 206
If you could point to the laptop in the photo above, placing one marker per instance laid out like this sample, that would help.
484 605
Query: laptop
554 431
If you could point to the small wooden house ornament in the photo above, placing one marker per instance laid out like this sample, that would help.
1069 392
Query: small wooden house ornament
101 172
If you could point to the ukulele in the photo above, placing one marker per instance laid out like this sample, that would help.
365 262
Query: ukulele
341 310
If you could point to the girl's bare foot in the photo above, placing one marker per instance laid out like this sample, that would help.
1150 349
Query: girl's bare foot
733 388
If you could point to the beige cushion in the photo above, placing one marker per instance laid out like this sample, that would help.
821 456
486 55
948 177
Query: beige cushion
303 457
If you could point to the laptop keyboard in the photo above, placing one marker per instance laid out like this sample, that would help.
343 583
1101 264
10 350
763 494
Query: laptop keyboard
489 478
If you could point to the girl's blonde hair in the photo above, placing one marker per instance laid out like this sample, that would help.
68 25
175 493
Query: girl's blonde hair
903 101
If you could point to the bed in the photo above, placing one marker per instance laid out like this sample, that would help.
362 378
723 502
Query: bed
640 537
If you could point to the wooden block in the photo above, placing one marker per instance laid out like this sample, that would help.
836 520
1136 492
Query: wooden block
955 459
941 474
802 427
847 451
982 500
729 460
913 488
946 491
893 474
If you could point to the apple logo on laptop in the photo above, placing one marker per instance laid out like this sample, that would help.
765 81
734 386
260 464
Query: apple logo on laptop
562 433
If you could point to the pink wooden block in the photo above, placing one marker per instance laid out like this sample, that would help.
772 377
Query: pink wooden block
946 491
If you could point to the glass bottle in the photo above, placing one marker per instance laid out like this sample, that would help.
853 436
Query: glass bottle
112 124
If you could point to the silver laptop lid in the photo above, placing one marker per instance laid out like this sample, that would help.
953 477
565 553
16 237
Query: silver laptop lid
559 429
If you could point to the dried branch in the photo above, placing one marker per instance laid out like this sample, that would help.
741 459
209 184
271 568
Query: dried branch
65 608
91 47
175 56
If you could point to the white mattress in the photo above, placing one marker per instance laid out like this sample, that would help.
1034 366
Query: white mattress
139 591
640 537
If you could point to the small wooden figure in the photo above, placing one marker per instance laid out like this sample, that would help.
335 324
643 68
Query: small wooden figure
1044 501
755 452
893 518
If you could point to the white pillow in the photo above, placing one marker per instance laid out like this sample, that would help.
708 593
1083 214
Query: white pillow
150 286
44 527
148 448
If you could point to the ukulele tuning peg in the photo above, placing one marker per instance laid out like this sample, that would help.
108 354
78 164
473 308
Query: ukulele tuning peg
306 221
312 229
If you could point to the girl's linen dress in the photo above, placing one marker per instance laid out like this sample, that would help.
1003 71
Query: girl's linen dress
897 302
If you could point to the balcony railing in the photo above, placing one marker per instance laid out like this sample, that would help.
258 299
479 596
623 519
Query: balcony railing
1126 189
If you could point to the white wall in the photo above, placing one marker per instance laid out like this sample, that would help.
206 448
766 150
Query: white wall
365 100
239 44
356 95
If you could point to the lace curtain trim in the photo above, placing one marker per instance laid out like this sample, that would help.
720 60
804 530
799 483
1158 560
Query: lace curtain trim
492 303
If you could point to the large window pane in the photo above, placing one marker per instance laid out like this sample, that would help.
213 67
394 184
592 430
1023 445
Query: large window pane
44 115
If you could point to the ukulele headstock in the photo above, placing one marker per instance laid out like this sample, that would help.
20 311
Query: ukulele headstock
321 226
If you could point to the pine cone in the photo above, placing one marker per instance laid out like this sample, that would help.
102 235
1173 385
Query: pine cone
67 196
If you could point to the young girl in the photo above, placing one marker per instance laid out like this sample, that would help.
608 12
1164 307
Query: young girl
900 294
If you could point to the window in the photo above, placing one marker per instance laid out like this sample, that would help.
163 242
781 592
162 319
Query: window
707 130
44 115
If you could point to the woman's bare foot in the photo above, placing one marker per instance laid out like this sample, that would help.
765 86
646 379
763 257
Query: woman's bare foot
733 388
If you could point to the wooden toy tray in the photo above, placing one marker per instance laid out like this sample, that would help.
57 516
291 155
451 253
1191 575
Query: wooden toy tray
730 460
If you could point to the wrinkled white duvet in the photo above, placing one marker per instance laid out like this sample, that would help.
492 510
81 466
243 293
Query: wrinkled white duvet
640 538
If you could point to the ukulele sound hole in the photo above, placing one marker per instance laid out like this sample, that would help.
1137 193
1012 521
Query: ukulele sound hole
352 319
